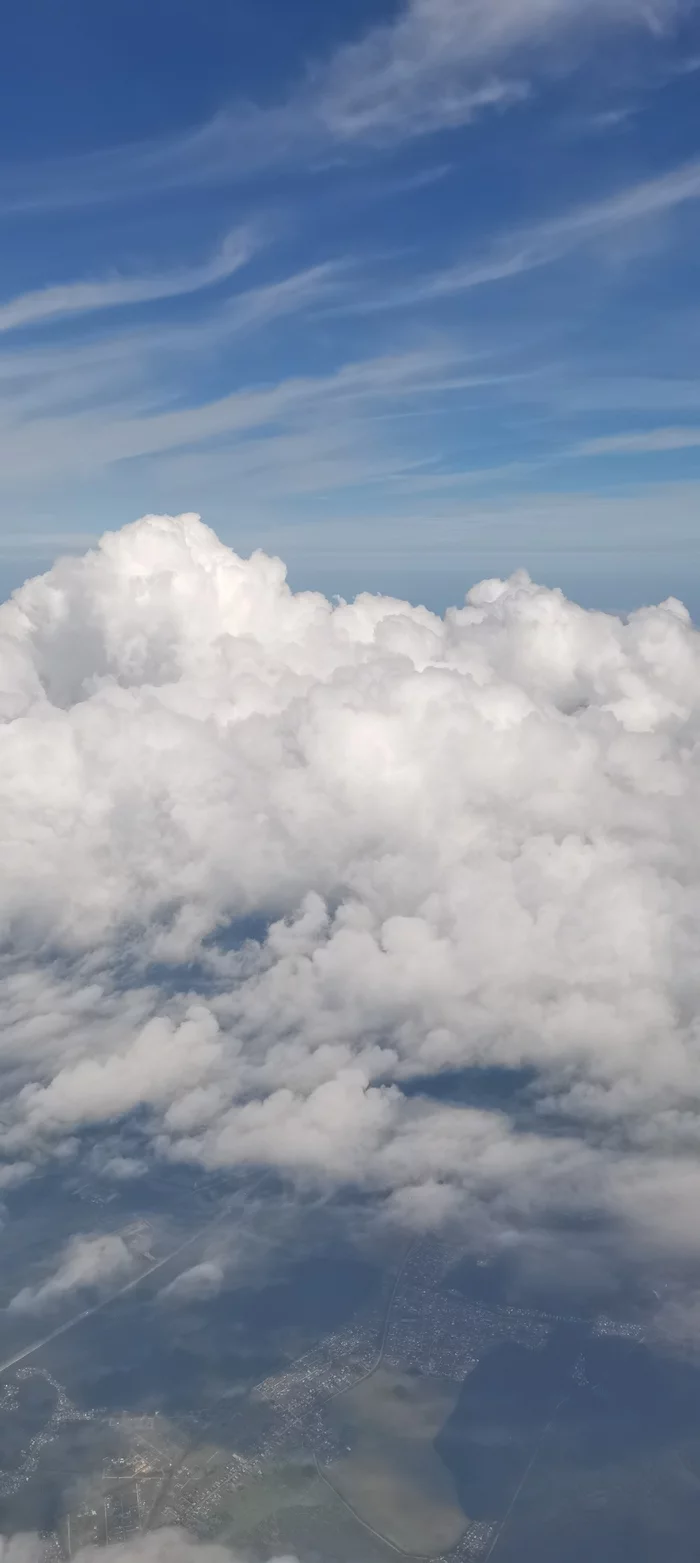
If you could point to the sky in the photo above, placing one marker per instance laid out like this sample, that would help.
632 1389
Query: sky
405 298
405 293
402 293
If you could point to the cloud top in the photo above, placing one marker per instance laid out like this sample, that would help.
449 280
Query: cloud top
272 861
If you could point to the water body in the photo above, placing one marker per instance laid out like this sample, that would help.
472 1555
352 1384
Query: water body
586 1448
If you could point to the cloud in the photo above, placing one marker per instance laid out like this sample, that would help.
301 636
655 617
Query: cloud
429 69
166 1545
544 243
641 443
74 298
677 1320
123 1168
57 401
438 65
63 445
16 1172
86 1262
203 1280
340 850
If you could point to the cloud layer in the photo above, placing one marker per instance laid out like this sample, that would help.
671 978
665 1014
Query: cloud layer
161 1546
271 862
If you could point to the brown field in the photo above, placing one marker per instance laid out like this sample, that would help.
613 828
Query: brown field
392 1477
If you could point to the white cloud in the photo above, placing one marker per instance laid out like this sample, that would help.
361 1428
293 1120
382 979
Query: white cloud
438 65
123 1168
288 296
647 441
86 1262
166 1545
15 1172
543 243
203 1280
474 841
430 68
57 403
66 444
74 298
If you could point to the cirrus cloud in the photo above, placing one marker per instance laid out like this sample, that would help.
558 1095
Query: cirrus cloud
437 65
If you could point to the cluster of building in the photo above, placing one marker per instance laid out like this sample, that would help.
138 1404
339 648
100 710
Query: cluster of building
617 1327
197 1494
63 1411
295 1395
441 1333
426 1327
473 1543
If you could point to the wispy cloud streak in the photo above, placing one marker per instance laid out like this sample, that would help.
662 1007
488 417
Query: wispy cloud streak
87 440
440 64
544 243
76 298
647 441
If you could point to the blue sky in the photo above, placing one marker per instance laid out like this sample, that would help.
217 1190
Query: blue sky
407 293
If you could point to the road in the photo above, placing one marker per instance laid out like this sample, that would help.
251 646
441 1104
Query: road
385 1331
525 1477
160 1496
416 1557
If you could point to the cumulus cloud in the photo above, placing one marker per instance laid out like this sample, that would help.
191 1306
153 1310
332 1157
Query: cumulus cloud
161 1546
342 848
123 1168
86 1263
203 1280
